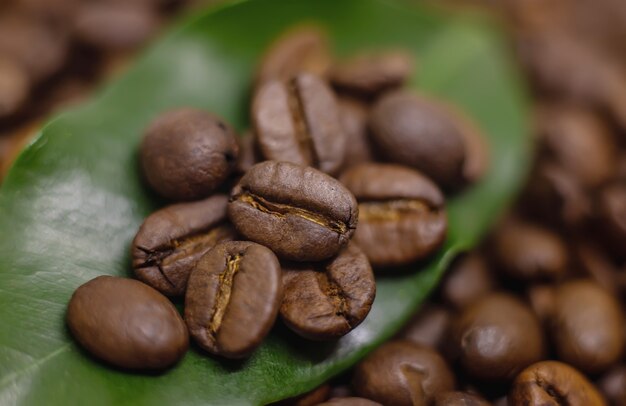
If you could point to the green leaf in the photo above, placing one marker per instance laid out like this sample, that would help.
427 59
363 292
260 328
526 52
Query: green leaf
74 199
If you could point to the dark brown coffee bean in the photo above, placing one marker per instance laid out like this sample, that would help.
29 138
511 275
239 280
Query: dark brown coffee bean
555 196
114 25
477 153
301 49
613 385
298 121
400 373
350 401
553 383
596 264
372 73
39 50
611 214
312 398
187 153
325 301
496 337
14 87
127 324
456 398
418 132
467 281
428 327
587 326
402 216
279 199
579 142
171 240
232 298
529 252
353 117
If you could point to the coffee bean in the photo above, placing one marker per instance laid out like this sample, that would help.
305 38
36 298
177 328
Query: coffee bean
14 87
353 116
587 326
275 200
418 132
467 281
401 213
232 298
400 373
325 301
298 121
371 73
578 141
613 385
350 401
115 25
38 49
187 153
312 398
456 398
556 197
541 300
553 383
171 240
496 337
428 327
127 324
597 265
301 49
529 252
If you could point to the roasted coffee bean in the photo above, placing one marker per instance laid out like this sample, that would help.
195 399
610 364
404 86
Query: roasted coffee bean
529 252
350 401
301 49
115 25
428 327
171 240
401 213
324 301
496 337
477 153
353 116
127 324
412 130
232 298
312 398
187 153
587 326
596 264
372 73
611 214
400 373
248 154
457 398
613 385
14 87
467 281
579 142
298 121
555 196
553 383
299 213
39 50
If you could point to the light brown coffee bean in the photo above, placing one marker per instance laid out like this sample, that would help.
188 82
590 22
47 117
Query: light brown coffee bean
553 383
457 398
325 301
298 121
587 326
353 116
402 374
14 87
127 324
232 298
428 327
467 281
170 242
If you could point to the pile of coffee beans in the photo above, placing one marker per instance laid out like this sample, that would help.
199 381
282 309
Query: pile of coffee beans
340 175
